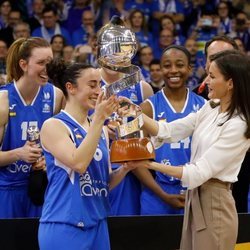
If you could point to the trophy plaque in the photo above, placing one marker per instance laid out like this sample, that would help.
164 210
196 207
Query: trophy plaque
116 47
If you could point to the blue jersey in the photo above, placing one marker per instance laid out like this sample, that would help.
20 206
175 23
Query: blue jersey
175 153
21 116
79 200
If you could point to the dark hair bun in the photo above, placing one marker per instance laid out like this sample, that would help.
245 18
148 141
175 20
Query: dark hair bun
55 71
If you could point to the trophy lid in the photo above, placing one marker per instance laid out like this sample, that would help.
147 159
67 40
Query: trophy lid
116 44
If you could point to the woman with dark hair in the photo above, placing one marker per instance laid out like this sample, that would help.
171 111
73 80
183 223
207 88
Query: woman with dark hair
28 100
167 22
57 42
138 25
220 138
76 203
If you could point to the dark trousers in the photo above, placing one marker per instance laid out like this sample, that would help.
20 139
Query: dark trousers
241 187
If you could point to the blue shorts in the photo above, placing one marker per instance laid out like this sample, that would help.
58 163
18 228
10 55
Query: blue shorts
55 236
15 203
151 204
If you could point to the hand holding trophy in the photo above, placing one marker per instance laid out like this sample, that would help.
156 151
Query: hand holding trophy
116 47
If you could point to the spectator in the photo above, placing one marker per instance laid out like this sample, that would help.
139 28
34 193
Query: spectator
21 30
80 36
50 26
57 44
36 20
62 7
156 77
75 15
197 63
167 22
139 26
241 29
165 39
3 55
224 13
204 30
213 46
145 57
117 7
173 8
240 44
5 8
68 53
142 5
7 33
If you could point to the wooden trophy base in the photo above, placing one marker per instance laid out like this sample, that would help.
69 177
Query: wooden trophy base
132 149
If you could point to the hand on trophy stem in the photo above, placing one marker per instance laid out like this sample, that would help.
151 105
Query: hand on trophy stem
40 164
112 125
136 164
127 108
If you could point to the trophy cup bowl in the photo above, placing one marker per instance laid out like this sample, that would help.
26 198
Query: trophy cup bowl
117 45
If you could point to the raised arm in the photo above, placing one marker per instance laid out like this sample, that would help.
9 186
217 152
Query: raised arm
64 149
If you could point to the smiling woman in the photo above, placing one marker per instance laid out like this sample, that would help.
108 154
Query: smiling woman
28 100
220 139
76 203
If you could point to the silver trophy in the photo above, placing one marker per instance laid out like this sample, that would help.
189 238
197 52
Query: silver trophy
117 45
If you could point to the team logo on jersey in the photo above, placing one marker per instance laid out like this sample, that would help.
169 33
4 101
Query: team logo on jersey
12 111
90 187
46 95
19 167
166 162
46 108
161 114
133 97
196 107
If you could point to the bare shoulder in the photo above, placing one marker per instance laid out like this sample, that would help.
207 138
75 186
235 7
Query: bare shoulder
147 108
60 100
4 107
52 124
147 90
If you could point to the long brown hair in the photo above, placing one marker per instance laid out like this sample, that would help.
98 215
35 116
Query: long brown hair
21 49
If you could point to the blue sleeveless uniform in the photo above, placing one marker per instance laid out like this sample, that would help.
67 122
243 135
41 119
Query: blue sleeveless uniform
14 177
125 197
76 204
170 154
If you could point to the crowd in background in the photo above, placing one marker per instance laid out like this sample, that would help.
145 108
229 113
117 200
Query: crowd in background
71 25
